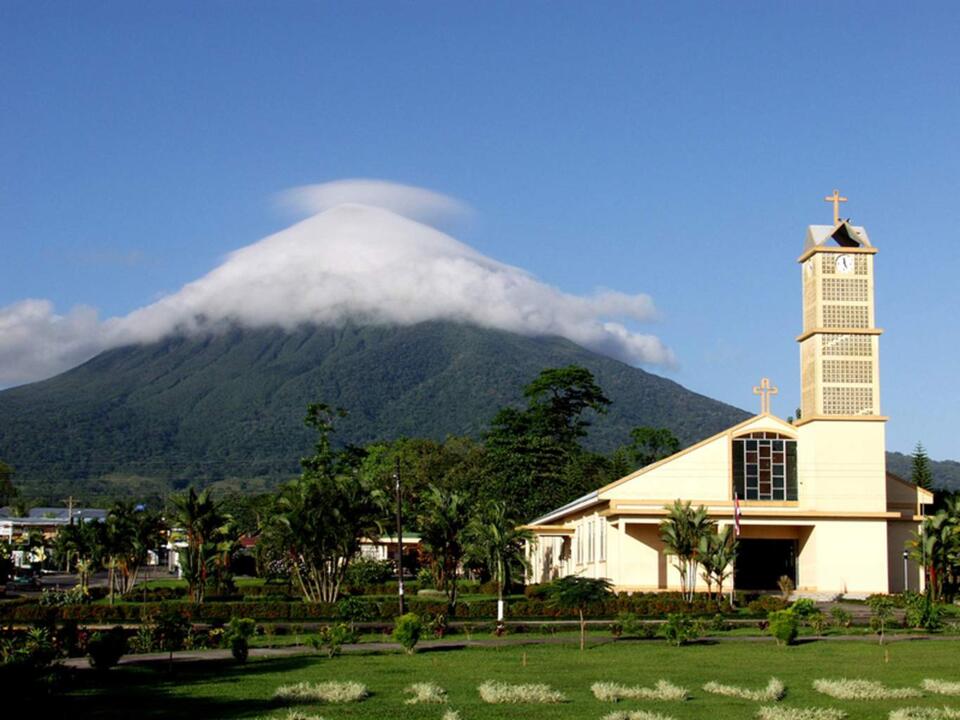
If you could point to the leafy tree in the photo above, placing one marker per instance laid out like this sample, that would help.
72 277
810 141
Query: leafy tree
920 473
534 460
648 445
443 520
682 532
322 516
578 593
937 549
8 492
495 541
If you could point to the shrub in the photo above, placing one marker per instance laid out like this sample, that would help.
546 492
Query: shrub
426 692
354 610
766 604
783 626
844 689
774 691
105 648
804 608
237 636
627 624
678 629
818 622
365 573
841 616
536 592
774 712
332 638
501 693
941 687
407 631
922 612
663 691
327 692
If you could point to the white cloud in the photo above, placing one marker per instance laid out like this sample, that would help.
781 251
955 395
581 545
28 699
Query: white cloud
348 262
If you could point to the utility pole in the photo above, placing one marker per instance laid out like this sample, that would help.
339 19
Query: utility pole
396 482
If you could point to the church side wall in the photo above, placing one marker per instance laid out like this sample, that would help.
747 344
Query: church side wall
847 557
841 466
898 533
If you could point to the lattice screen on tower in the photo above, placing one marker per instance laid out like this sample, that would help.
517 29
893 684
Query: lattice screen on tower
847 401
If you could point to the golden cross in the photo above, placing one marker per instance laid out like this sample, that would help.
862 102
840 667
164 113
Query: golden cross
836 200
765 390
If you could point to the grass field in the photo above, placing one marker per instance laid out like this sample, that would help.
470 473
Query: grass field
231 691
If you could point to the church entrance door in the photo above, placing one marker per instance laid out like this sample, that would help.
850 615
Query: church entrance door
761 563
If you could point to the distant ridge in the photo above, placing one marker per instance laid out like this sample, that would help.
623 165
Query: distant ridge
201 409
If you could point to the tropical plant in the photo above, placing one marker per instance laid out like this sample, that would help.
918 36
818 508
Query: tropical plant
495 540
578 593
321 517
443 520
936 547
237 636
716 553
79 546
128 534
784 626
209 541
332 638
682 533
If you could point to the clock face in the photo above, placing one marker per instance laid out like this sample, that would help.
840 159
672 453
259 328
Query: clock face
845 264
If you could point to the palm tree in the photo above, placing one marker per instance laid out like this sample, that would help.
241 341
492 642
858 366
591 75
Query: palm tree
495 541
681 533
716 552
129 534
937 549
79 546
199 516
443 518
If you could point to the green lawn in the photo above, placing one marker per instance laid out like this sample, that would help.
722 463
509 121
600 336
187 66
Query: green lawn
230 691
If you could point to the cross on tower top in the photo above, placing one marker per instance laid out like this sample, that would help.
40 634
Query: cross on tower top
836 200
765 390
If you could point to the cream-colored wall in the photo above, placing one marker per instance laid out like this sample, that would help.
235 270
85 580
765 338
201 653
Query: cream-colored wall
642 564
841 466
849 556
898 533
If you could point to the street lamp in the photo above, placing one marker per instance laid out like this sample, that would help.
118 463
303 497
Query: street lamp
906 581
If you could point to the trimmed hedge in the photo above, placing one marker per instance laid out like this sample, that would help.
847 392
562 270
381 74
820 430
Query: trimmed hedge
641 604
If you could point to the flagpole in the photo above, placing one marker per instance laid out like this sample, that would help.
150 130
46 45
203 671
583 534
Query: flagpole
736 535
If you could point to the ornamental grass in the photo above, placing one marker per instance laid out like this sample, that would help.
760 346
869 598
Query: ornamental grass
325 692
844 689
636 715
451 715
774 691
779 712
426 692
499 693
942 687
663 690
924 713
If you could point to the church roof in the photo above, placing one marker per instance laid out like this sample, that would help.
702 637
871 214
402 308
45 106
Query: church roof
845 235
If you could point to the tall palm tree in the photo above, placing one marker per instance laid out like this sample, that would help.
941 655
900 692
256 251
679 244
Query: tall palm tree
129 534
200 519
681 533
79 546
495 540
442 520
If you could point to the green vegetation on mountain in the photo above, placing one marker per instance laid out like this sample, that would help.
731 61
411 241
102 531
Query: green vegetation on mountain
230 406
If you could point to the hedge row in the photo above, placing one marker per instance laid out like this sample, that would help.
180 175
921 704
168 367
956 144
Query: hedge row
649 605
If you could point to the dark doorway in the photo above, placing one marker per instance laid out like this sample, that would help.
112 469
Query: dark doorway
761 563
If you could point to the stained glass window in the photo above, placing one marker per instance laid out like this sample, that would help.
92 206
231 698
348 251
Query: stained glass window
765 466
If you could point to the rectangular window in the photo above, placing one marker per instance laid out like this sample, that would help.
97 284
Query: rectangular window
603 541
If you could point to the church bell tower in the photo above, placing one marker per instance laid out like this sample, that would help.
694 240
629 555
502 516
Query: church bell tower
839 347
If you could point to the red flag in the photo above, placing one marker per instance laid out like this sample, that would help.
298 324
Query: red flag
736 515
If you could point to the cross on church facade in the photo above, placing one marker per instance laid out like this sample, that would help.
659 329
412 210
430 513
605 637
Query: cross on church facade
836 200
765 390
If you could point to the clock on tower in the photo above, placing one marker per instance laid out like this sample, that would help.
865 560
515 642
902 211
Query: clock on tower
840 341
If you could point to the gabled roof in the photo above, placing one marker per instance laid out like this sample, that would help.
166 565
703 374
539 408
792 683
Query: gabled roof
927 495
595 497
843 233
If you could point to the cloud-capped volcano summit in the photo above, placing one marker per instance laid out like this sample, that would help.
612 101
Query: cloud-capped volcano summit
350 263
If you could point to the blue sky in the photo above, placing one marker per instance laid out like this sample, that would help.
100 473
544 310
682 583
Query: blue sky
675 149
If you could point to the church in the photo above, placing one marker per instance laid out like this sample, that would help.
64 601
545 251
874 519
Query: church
811 499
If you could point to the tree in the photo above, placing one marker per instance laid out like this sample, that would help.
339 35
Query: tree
681 533
534 460
937 548
578 593
648 445
495 541
79 546
128 534
322 516
8 492
207 531
920 473
442 521
717 551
